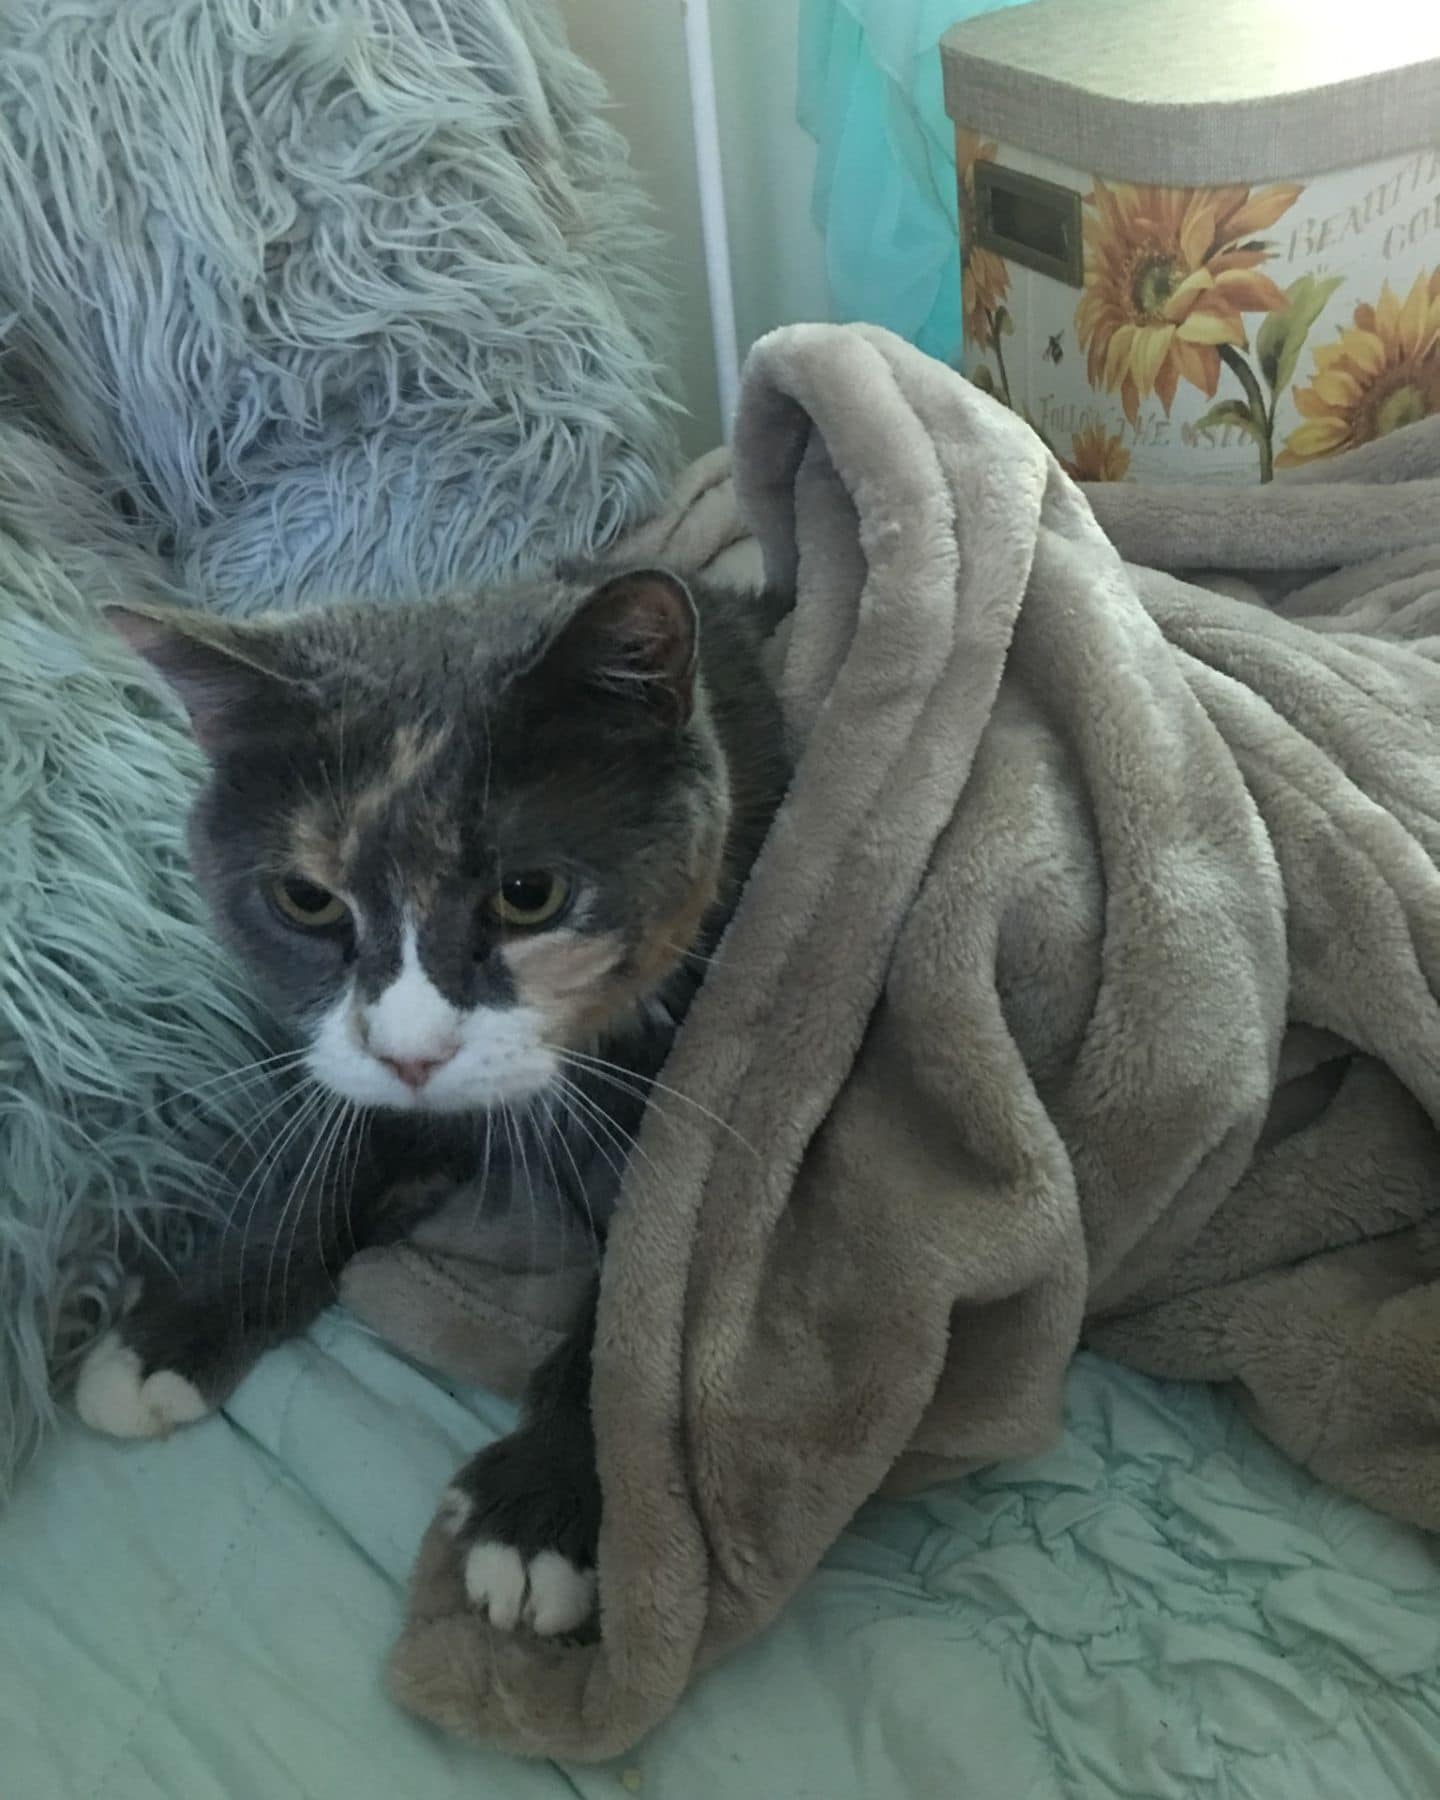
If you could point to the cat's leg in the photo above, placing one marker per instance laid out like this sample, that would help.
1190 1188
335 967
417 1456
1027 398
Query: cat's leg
187 1339
526 1510
189 1336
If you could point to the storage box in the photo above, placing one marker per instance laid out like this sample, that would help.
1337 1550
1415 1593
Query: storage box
1201 241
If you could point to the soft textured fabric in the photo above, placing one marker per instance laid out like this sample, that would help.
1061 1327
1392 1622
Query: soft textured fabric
1158 1608
124 1030
347 296
298 298
1084 987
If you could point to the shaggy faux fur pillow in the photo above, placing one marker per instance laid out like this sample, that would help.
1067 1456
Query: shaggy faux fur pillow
344 295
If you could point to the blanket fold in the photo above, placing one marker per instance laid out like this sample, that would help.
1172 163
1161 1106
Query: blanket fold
1084 989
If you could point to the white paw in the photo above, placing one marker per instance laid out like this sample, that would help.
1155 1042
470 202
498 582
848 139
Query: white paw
112 1396
549 1594
561 1596
495 1582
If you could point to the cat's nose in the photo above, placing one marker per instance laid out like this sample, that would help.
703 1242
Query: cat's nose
415 1071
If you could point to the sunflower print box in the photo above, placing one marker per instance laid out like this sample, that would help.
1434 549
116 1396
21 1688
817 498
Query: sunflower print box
1194 245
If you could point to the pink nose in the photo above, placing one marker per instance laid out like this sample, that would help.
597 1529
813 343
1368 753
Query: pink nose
415 1071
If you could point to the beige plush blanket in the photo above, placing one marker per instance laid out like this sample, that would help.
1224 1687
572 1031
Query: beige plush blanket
1085 989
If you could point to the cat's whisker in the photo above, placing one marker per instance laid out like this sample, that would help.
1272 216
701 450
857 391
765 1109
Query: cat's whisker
325 771
355 1144
560 1132
253 1185
331 1206
543 1138
511 1144
489 758
570 1098
223 1210
260 1176
245 1076
327 1213
296 1192
261 1168
316 1185
298 1188
340 721
304 1102
259 1181
643 1087
521 1122
548 1131
696 955
570 1116
244 1138
573 1097
653 1103
483 1188
629 1143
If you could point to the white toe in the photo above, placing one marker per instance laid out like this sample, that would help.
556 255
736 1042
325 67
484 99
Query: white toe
111 1395
174 1399
561 1595
495 1582
107 1395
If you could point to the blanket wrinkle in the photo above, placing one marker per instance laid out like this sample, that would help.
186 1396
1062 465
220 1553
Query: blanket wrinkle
1084 993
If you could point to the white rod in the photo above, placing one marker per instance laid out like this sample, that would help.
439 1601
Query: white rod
714 227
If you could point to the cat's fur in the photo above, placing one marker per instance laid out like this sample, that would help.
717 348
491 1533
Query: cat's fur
415 762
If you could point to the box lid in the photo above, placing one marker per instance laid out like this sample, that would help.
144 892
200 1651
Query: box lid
1194 92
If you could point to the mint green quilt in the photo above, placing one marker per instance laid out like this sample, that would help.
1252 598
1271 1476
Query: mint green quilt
1161 1609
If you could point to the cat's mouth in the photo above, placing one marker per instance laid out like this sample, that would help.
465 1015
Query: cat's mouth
444 1089
491 1058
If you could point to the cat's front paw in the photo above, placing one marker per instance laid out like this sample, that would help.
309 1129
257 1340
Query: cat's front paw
114 1394
547 1592
167 1362
527 1521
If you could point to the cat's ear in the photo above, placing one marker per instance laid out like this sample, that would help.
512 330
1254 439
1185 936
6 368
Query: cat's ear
226 675
636 638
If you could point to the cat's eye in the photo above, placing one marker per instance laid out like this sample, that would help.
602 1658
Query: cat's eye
529 900
307 904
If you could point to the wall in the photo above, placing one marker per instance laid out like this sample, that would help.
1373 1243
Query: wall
638 46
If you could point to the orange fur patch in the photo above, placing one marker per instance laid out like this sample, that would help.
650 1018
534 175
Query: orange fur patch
314 850
412 751
560 973
581 984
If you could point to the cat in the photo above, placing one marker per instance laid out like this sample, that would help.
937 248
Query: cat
478 852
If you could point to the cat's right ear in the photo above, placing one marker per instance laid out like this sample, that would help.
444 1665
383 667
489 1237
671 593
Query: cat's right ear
634 638
219 671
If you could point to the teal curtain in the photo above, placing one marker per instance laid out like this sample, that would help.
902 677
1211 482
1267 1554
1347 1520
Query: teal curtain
870 94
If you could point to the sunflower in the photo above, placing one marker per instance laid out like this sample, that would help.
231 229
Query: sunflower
1168 274
1381 373
1095 457
984 279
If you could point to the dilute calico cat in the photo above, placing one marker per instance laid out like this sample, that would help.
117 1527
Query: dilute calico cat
477 852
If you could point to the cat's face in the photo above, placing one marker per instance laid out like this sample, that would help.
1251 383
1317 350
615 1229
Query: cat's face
452 849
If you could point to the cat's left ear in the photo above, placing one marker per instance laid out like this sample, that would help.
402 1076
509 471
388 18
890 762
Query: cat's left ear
637 639
224 673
